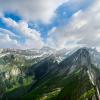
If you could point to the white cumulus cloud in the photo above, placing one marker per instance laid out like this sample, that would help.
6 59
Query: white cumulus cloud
32 37
42 10
82 30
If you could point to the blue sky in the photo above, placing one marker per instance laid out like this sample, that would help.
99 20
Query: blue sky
36 24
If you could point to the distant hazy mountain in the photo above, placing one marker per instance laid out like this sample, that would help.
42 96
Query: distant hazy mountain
48 74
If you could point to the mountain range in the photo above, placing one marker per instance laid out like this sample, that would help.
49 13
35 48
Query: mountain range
49 74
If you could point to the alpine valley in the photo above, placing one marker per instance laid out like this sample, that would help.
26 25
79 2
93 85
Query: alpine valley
49 74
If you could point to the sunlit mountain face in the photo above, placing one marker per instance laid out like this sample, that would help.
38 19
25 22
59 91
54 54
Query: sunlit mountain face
49 50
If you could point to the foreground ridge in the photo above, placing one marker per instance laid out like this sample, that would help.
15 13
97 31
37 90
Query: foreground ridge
49 74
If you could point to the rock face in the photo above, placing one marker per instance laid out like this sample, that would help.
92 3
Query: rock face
15 71
76 74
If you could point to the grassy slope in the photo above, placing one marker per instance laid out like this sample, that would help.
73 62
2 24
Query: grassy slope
76 86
